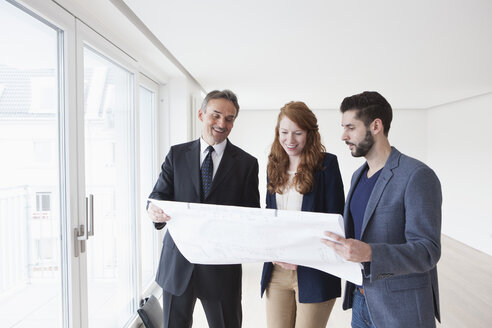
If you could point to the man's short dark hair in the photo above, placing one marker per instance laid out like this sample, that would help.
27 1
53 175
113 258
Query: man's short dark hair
369 105
224 94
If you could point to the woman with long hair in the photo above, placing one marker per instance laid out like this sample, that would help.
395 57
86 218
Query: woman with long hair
302 176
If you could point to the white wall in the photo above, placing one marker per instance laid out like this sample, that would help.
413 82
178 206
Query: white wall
455 145
177 116
461 154
254 131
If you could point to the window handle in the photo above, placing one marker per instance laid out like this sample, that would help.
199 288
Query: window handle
78 234
84 231
90 215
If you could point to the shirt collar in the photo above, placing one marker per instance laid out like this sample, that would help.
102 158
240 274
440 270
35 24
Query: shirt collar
219 148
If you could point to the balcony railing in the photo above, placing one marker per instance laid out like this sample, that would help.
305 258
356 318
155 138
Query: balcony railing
29 239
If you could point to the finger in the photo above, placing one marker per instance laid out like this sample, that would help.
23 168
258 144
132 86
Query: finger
329 243
163 217
287 266
160 214
155 209
155 218
334 236
159 217
337 246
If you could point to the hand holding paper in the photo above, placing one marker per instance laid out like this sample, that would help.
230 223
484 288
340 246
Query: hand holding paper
349 249
156 214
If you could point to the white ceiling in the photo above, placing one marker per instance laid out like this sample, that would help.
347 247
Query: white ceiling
418 54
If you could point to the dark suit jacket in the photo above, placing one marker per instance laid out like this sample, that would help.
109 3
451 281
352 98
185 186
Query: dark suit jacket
402 223
235 183
327 197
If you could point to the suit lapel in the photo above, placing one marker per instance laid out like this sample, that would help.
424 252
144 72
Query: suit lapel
192 157
225 166
377 192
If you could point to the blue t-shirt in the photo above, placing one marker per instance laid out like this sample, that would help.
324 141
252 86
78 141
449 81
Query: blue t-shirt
360 197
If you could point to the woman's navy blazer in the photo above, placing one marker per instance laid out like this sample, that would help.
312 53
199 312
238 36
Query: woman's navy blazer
327 196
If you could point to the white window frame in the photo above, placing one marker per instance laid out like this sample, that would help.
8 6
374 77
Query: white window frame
75 35
151 85
87 37
55 16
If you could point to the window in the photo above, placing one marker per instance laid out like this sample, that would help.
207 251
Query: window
43 151
44 249
29 134
68 126
43 201
109 138
43 95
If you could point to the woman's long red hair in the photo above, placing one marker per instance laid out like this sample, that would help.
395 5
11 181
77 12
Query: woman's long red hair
311 156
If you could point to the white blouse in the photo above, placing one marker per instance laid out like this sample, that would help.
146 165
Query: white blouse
291 199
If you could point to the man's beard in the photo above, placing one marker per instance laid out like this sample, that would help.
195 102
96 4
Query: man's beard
364 146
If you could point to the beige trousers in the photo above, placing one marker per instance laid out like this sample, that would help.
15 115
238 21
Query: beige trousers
282 304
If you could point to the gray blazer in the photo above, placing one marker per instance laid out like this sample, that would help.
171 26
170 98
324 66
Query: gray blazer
402 223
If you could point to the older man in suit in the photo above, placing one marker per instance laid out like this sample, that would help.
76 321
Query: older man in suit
392 224
209 170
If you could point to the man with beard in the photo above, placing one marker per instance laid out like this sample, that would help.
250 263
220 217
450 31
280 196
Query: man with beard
392 224
209 170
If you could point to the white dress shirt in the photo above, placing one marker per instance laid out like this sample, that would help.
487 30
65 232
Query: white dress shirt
216 155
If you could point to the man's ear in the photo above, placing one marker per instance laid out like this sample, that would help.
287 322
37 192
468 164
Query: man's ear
200 114
377 126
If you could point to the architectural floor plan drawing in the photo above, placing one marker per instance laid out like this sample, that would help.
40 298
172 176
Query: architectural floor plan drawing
217 234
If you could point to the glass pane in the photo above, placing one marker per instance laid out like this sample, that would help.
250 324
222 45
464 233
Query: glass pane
147 177
108 176
30 246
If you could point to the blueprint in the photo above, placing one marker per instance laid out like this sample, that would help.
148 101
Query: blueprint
218 234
